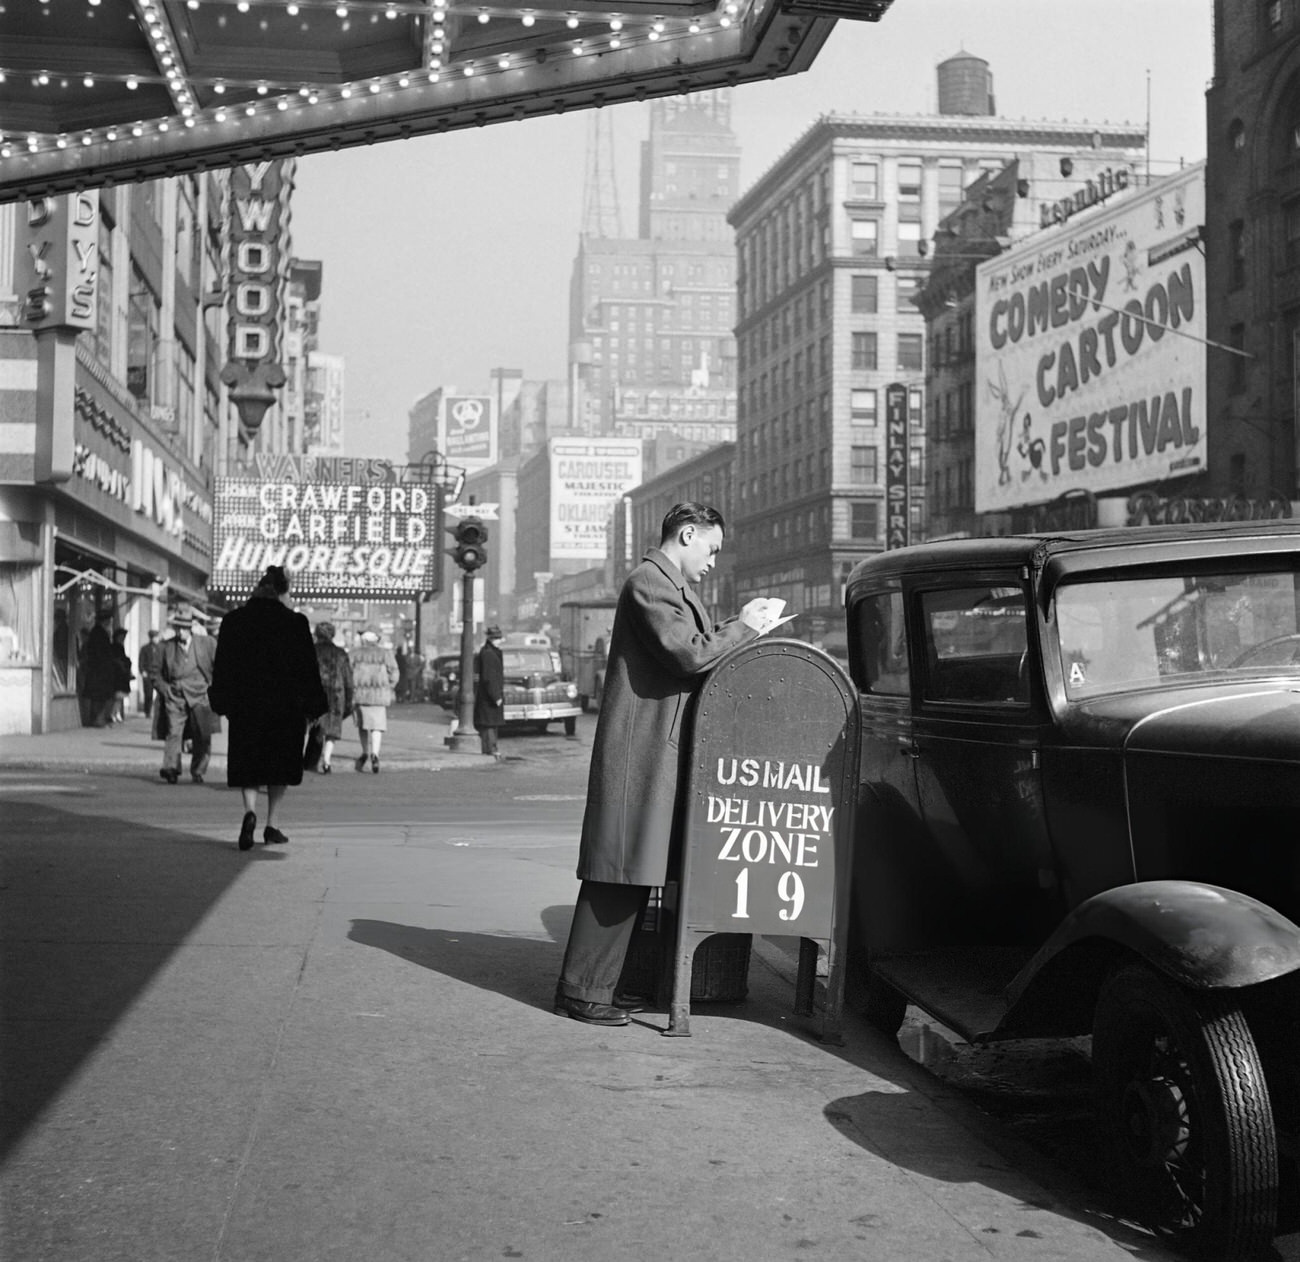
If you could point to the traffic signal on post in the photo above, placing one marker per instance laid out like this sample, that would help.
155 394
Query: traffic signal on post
470 551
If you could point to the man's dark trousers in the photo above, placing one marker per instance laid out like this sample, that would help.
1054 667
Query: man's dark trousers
603 923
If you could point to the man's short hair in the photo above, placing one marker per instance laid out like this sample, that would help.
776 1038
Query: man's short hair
689 514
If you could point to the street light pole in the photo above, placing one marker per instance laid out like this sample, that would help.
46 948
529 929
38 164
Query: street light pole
465 739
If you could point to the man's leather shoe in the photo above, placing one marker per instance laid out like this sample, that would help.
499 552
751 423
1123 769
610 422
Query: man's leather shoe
169 775
591 1013
198 779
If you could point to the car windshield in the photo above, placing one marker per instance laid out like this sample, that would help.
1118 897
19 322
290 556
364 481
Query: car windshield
528 661
1137 632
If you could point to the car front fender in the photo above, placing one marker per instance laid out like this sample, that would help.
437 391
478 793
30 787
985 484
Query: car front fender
1200 936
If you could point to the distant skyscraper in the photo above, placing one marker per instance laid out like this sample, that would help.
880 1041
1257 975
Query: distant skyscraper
653 314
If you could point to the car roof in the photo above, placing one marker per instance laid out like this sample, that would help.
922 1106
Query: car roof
1072 551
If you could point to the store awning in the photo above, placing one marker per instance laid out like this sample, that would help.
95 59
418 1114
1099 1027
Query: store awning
73 577
137 89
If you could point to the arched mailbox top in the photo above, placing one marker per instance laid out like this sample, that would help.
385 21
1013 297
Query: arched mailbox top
774 764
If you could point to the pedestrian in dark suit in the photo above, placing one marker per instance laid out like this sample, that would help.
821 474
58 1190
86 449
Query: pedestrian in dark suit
489 691
149 661
661 644
99 671
267 683
183 678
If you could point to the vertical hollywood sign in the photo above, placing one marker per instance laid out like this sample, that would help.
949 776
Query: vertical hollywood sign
259 195
897 506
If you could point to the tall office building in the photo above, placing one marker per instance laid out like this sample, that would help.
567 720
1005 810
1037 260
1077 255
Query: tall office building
651 316
834 249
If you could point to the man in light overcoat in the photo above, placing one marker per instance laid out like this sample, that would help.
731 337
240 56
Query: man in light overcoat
662 643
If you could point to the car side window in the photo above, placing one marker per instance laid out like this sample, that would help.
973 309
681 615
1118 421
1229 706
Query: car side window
881 647
976 642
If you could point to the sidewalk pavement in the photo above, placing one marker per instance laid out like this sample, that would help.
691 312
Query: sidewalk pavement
410 744
344 1049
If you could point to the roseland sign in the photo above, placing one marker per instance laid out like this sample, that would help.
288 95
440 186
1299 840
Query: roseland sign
366 529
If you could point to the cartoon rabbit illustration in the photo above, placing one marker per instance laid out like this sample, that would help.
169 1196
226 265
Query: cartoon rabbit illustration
1006 423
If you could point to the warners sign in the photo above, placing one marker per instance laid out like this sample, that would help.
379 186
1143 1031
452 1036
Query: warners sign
372 533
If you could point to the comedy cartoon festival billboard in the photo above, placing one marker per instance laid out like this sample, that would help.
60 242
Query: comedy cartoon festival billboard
1089 352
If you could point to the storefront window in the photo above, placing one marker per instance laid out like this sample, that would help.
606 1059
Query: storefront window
18 609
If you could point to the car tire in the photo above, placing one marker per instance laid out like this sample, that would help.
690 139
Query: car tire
1183 1114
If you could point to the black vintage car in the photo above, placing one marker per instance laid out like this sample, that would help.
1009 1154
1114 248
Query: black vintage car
1080 815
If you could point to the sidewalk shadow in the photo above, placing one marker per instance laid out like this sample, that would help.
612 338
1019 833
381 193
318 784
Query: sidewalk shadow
91 910
520 968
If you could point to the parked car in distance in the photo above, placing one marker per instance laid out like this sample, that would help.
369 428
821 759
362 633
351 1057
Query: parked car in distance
585 627
536 692
444 680
1080 814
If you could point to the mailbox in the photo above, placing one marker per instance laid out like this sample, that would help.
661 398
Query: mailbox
767 830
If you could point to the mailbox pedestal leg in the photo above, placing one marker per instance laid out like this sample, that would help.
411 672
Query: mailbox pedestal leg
805 985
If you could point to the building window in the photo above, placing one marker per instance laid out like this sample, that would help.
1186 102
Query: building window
862 466
865 181
863 295
864 519
862 349
909 181
1237 135
910 241
865 233
1236 254
950 188
916 407
909 289
911 356
862 406
1237 372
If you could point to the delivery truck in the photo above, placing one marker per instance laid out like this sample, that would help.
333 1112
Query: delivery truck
584 645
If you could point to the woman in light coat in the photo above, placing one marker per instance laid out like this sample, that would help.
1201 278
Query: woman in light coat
374 676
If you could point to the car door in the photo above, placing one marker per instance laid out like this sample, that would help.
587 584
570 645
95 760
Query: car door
889 875
976 732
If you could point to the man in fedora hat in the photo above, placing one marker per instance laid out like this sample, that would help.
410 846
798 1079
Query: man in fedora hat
184 674
489 691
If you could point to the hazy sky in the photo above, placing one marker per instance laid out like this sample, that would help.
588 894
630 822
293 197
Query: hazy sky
447 256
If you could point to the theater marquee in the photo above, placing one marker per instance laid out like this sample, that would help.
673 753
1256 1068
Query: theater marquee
343 528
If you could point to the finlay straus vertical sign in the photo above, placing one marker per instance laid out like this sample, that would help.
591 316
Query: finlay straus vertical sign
897 506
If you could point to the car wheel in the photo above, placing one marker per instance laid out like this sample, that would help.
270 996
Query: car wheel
571 727
1184 1115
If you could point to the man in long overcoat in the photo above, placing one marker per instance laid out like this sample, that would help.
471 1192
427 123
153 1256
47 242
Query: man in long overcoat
489 691
184 676
662 643
267 683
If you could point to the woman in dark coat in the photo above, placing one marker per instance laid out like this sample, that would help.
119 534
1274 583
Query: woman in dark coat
265 680
336 679
100 675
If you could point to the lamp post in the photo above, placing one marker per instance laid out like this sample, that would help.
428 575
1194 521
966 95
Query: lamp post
451 479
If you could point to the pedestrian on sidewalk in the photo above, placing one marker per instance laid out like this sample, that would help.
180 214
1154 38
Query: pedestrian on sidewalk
336 679
122 676
267 683
661 644
374 676
99 671
149 660
183 679
489 691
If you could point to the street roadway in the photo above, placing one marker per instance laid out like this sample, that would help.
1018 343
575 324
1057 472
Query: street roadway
344 1048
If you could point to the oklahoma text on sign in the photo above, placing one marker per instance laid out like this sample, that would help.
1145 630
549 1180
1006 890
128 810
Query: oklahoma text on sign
342 527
